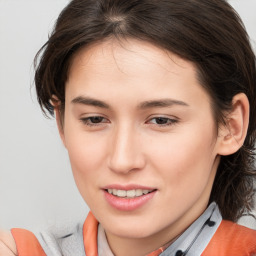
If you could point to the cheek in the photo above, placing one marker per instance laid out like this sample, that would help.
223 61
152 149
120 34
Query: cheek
186 168
86 155
184 160
86 163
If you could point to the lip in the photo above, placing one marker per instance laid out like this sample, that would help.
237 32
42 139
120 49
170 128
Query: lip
127 187
128 204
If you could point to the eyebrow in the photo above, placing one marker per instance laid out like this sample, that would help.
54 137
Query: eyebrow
90 101
144 105
163 103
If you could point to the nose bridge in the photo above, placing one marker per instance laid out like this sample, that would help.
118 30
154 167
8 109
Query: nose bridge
125 153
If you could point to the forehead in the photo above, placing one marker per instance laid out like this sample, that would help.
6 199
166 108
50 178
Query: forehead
128 56
111 69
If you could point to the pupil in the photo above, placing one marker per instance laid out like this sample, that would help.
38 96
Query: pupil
161 120
96 119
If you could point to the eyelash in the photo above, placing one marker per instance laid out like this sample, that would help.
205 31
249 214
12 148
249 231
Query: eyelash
169 121
90 121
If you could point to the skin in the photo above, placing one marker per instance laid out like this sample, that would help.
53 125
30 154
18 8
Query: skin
154 127
7 244
178 158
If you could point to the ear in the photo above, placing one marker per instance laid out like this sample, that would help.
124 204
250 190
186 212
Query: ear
55 102
233 133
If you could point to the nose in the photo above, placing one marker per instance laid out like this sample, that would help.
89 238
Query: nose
126 153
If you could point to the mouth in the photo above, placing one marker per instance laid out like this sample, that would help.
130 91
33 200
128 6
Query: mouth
128 198
133 193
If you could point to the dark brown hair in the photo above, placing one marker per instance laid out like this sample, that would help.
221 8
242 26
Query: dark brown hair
207 32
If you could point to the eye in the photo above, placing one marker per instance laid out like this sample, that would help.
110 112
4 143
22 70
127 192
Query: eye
94 120
162 121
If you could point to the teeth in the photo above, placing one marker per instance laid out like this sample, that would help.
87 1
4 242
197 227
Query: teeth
121 193
145 191
131 193
128 193
139 192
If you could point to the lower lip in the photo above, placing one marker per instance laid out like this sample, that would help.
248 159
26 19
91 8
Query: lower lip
128 204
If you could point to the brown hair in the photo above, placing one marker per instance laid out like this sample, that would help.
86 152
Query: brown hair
207 32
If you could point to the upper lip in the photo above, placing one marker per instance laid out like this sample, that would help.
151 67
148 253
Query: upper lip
128 187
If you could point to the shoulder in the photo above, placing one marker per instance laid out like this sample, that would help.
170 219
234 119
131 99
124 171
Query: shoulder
238 232
232 239
7 244
56 240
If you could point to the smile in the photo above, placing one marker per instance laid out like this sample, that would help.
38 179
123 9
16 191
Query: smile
128 193
128 198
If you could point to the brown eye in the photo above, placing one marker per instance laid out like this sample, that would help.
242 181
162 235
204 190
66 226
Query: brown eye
94 120
162 121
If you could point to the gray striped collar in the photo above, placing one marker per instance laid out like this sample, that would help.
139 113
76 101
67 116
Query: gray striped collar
195 239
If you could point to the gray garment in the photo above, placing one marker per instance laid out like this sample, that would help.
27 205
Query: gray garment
68 240
196 238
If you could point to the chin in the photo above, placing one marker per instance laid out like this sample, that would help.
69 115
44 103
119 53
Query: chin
132 228
131 232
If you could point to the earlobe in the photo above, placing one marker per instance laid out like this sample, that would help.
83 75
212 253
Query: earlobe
59 119
233 133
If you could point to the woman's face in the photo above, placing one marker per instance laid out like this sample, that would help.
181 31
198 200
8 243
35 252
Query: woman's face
141 139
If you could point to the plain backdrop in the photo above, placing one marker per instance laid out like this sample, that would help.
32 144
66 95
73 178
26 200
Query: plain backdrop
36 183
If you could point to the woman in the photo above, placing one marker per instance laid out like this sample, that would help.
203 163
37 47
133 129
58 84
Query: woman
155 103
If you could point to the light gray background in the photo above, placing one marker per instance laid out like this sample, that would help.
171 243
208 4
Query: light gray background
36 183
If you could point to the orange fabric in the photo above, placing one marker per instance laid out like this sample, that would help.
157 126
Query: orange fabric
90 232
26 243
232 239
156 253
